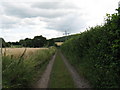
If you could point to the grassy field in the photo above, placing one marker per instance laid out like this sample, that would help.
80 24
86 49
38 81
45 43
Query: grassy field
21 68
60 76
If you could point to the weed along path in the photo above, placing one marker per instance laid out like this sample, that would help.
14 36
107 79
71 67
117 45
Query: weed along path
80 82
43 82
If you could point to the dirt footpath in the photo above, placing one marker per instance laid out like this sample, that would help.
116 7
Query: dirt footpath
79 81
43 82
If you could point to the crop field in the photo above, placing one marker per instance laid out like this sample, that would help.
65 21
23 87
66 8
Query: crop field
59 43
21 67
17 52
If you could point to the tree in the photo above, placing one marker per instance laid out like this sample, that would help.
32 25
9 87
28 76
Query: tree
28 42
39 41
51 42
22 42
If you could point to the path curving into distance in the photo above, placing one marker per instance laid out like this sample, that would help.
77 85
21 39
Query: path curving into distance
44 80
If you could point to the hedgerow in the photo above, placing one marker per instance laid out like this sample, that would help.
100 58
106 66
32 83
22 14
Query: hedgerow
96 53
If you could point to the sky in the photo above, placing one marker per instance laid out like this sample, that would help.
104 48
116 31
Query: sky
20 19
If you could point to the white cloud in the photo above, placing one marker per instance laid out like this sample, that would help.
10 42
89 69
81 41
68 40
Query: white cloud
50 18
8 21
72 22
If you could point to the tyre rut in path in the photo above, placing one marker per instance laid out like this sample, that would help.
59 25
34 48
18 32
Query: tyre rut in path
43 82
79 81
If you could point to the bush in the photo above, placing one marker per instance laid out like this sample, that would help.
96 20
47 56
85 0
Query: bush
95 53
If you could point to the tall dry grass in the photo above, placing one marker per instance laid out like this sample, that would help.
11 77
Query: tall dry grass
21 71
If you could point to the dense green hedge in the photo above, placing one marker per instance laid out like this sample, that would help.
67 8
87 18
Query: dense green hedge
96 53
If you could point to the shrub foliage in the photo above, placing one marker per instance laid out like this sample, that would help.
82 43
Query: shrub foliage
96 53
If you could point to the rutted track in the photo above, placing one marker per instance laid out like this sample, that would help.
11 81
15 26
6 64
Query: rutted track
79 81
44 80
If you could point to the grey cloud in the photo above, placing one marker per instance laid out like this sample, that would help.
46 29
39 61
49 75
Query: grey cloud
16 10
8 22
54 5
7 26
72 23
57 15
29 12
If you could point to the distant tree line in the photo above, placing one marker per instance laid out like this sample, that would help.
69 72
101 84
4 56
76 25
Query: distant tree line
37 41
64 38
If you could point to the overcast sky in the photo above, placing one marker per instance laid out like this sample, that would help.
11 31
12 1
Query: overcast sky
21 19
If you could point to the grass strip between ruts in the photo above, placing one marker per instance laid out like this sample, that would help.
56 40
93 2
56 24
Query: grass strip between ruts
60 76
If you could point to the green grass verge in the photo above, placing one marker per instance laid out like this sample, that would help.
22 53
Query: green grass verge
60 76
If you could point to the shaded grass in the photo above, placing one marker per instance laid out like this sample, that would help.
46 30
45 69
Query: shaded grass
60 76
26 72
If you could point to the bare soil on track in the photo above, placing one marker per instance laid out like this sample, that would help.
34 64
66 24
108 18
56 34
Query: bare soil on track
80 82
44 80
